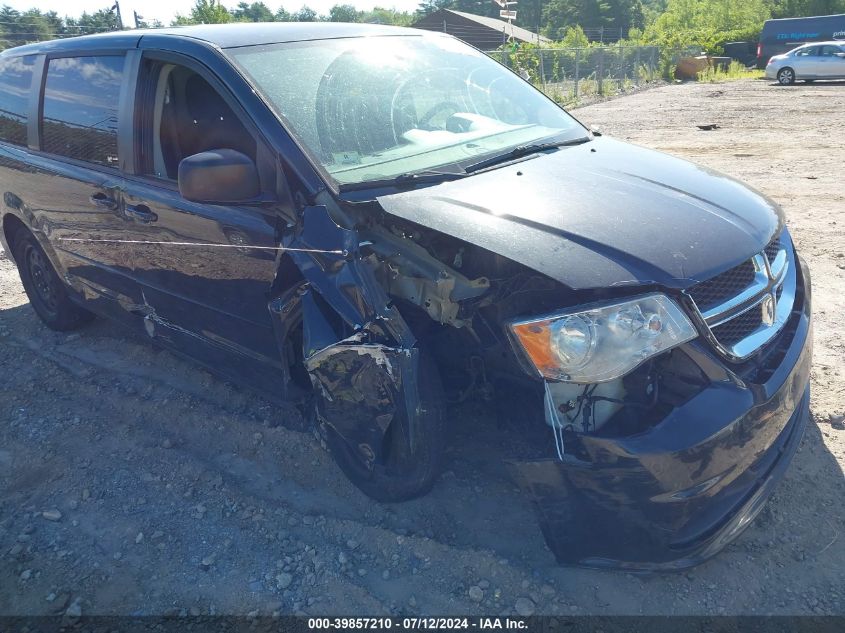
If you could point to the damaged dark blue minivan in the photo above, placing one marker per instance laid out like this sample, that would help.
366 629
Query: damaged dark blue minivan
375 222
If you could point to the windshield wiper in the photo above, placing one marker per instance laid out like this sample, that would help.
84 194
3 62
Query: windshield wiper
408 178
523 150
436 175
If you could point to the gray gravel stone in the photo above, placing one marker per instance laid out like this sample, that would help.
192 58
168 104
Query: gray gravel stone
283 580
525 607
74 610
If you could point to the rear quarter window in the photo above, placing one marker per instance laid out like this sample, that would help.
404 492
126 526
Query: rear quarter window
15 82
79 117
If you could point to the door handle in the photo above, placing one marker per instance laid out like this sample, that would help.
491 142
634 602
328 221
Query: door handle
141 212
102 200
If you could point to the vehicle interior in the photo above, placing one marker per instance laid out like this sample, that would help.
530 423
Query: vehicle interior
189 117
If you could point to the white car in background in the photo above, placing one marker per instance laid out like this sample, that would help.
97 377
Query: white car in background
819 60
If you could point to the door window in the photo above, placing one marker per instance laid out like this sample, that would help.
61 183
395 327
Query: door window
806 52
79 117
15 81
829 51
187 116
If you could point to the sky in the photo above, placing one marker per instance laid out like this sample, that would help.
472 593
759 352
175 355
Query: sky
165 10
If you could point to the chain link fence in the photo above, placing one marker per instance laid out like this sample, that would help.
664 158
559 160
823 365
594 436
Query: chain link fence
571 74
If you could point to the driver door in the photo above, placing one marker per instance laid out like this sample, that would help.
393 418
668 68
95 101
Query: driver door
204 270
806 62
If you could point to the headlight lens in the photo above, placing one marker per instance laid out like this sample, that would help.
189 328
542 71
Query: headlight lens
603 342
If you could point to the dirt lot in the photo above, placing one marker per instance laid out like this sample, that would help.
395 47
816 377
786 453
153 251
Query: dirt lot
176 492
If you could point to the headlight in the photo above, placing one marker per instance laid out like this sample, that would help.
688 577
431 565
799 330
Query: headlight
605 341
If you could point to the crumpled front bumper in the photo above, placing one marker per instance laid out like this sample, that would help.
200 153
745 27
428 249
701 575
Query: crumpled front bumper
676 494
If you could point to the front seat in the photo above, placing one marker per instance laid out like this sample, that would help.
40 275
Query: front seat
213 125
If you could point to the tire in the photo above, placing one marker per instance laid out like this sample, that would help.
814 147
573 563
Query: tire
786 76
402 476
47 293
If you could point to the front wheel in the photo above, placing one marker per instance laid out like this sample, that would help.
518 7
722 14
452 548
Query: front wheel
47 293
786 76
400 474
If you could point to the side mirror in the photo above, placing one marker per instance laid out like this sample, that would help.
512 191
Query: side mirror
219 176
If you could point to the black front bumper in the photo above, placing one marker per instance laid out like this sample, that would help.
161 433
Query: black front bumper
678 493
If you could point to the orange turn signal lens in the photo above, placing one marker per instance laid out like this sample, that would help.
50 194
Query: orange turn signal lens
535 338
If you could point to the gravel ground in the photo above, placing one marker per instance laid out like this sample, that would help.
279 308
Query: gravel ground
132 482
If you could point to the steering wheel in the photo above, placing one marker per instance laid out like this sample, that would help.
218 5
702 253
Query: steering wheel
425 119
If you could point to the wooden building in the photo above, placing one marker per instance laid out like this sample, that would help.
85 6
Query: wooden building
482 32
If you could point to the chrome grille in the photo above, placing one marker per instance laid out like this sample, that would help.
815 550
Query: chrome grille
746 306
723 286
732 332
772 249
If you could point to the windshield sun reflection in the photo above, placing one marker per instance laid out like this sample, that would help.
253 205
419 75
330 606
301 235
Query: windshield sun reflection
375 108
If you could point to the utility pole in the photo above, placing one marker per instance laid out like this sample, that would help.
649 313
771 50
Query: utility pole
138 19
116 9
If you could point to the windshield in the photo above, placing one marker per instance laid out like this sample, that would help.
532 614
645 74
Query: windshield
375 108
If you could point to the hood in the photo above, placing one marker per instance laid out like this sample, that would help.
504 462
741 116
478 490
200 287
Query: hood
601 214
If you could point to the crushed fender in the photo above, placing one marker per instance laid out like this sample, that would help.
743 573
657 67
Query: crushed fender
364 382
328 257
364 388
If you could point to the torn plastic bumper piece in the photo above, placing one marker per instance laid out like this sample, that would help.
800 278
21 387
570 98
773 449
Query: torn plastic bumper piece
678 493
361 386
363 389
365 382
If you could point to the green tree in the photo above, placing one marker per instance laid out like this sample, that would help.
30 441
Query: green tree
205 12
51 18
558 15
19 28
652 9
804 8
708 23
344 13
34 25
478 7
282 15
432 6
627 14
574 37
379 15
255 12
529 14
305 14
102 20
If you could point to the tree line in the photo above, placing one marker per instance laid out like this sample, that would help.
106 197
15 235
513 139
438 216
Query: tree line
707 23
